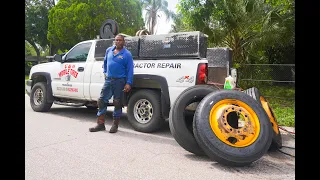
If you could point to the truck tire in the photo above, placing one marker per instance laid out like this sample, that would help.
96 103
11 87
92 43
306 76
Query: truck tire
144 111
232 128
109 29
91 107
38 98
276 139
180 120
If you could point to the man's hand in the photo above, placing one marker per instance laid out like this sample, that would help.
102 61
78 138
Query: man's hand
127 88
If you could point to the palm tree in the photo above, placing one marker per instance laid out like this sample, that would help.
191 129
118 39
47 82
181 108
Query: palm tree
153 9
254 26
245 26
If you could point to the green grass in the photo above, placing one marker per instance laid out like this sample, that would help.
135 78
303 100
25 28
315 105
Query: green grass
284 111
281 100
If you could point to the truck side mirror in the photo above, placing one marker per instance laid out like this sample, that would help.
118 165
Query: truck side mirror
57 57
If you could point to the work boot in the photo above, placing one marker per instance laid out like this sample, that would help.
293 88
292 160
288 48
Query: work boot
100 124
114 127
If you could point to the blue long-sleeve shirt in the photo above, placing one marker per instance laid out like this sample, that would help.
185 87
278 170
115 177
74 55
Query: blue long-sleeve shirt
119 65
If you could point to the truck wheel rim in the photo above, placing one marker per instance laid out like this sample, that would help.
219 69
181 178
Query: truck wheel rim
143 111
38 97
270 114
234 123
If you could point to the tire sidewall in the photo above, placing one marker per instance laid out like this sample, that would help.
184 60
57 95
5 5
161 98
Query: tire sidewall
42 106
114 28
210 142
254 93
177 121
156 119
257 94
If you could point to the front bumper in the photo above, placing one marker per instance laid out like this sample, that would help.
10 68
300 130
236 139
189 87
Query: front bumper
28 86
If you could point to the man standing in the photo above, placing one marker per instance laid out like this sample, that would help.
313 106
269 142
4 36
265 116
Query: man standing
118 71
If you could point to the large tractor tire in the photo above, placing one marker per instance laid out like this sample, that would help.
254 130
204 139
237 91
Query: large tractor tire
38 98
144 111
276 139
180 119
232 128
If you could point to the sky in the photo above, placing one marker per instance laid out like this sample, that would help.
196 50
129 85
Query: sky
163 27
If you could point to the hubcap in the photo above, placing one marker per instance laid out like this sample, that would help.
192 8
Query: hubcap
143 111
234 123
38 97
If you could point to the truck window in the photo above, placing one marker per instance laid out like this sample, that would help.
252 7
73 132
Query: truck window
101 47
79 53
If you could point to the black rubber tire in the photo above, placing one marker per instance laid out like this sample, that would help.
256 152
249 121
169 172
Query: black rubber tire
44 106
109 29
156 122
91 107
180 120
219 151
276 139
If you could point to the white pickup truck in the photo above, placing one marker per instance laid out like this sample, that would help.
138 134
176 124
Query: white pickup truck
76 77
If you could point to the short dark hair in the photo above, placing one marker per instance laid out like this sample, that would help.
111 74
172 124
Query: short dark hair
121 35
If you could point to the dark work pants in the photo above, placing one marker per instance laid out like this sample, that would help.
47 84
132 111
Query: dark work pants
112 87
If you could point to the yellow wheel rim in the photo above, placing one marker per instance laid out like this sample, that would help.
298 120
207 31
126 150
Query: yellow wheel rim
234 122
271 116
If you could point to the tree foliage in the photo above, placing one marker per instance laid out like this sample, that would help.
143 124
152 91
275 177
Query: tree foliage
178 24
29 50
36 23
283 50
248 27
72 21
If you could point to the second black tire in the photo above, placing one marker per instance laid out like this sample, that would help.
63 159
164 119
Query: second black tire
180 125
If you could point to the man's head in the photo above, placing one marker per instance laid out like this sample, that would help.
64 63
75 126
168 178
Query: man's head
119 41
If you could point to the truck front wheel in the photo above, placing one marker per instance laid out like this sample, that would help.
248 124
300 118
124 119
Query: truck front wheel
144 111
38 98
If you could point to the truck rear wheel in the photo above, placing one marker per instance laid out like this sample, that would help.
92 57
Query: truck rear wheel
232 128
144 111
38 98
276 139
180 119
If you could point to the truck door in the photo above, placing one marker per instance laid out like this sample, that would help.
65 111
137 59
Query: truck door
97 76
72 72
97 79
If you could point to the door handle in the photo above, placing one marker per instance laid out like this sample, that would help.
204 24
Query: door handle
80 69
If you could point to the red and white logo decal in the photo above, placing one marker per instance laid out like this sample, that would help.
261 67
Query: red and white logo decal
69 69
